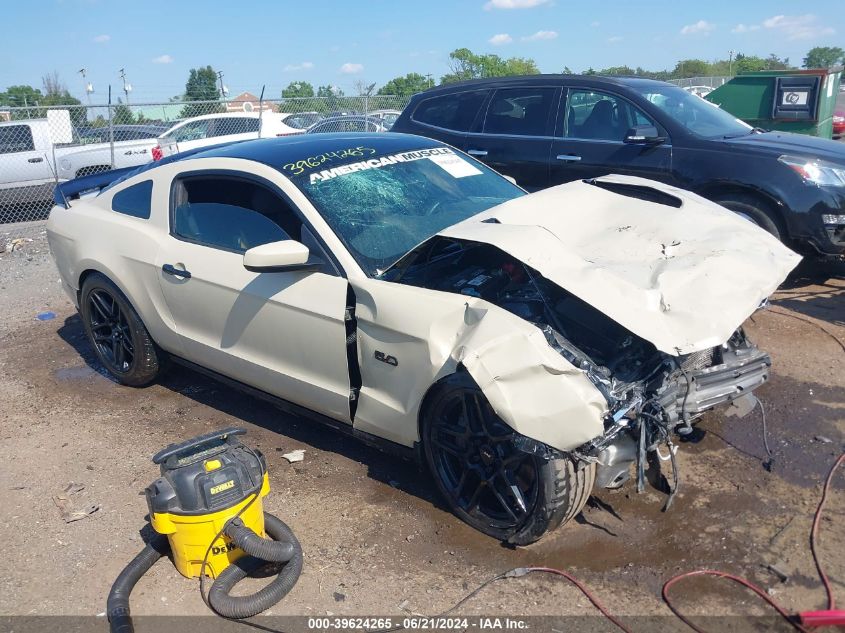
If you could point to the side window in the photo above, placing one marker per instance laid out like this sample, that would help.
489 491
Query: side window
134 200
16 138
191 131
601 116
519 111
230 214
234 125
454 111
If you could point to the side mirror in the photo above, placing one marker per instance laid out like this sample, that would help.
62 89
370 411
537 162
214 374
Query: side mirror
643 135
286 255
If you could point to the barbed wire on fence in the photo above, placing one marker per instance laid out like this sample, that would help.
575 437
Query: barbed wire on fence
43 145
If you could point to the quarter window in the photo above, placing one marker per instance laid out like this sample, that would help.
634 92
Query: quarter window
455 111
231 214
600 116
134 200
16 138
520 111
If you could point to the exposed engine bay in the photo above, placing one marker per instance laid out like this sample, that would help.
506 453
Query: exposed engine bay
650 394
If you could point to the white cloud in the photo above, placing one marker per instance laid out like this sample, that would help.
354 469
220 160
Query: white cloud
297 67
595 24
102 39
514 4
798 27
350 69
615 38
500 39
739 29
702 26
540 35
163 59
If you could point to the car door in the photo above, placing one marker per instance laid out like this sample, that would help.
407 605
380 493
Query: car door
516 136
281 332
23 164
590 139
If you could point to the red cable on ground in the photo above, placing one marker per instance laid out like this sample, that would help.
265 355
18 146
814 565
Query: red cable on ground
814 534
818 618
598 605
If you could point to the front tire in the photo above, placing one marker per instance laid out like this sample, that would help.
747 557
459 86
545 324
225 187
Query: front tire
119 338
752 210
487 480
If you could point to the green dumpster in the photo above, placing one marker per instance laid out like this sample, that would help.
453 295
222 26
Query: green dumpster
801 101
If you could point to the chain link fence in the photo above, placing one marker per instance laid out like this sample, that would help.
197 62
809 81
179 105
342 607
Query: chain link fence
40 146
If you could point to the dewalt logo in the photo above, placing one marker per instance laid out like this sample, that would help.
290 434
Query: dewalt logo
226 485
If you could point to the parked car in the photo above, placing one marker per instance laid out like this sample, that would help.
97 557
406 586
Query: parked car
387 117
212 129
302 120
699 91
544 130
36 153
839 124
27 173
350 123
89 135
133 145
521 345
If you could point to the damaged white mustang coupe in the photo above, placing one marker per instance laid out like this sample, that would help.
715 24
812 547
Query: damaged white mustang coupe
526 347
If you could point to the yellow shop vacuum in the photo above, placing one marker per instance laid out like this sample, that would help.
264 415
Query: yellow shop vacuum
206 511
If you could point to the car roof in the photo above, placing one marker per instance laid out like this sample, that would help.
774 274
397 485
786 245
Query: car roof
572 80
276 152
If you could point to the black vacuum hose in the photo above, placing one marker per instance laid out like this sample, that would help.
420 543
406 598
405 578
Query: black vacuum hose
277 551
238 607
117 606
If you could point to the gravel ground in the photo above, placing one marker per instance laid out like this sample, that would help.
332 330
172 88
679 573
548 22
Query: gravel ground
376 538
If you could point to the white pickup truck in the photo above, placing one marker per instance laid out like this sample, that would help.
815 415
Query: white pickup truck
36 153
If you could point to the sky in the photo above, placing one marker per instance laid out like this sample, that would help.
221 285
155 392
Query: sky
264 42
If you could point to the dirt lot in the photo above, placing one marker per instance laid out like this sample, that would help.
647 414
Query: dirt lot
376 538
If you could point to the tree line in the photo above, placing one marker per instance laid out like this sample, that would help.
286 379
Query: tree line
464 64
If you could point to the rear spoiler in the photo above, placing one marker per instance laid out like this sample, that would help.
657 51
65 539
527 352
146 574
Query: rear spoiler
73 189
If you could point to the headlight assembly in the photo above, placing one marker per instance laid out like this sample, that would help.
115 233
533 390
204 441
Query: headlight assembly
817 172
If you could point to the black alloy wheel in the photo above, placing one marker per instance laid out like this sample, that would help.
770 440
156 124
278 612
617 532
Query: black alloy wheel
489 474
482 471
110 331
120 339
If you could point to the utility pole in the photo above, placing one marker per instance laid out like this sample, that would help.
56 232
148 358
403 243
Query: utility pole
731 63
430 82
127 88
224 91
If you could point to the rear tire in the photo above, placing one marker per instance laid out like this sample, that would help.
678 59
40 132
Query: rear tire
486 479
119 338
753 210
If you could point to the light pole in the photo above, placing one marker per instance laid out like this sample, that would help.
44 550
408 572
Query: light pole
731 63
127 88
89 87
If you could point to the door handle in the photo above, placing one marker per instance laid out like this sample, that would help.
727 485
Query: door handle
170 269
477 152
36 160
569 157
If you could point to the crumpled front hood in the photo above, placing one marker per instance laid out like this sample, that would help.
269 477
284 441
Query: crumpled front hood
682 278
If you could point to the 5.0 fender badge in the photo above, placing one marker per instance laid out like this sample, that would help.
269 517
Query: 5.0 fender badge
386 358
